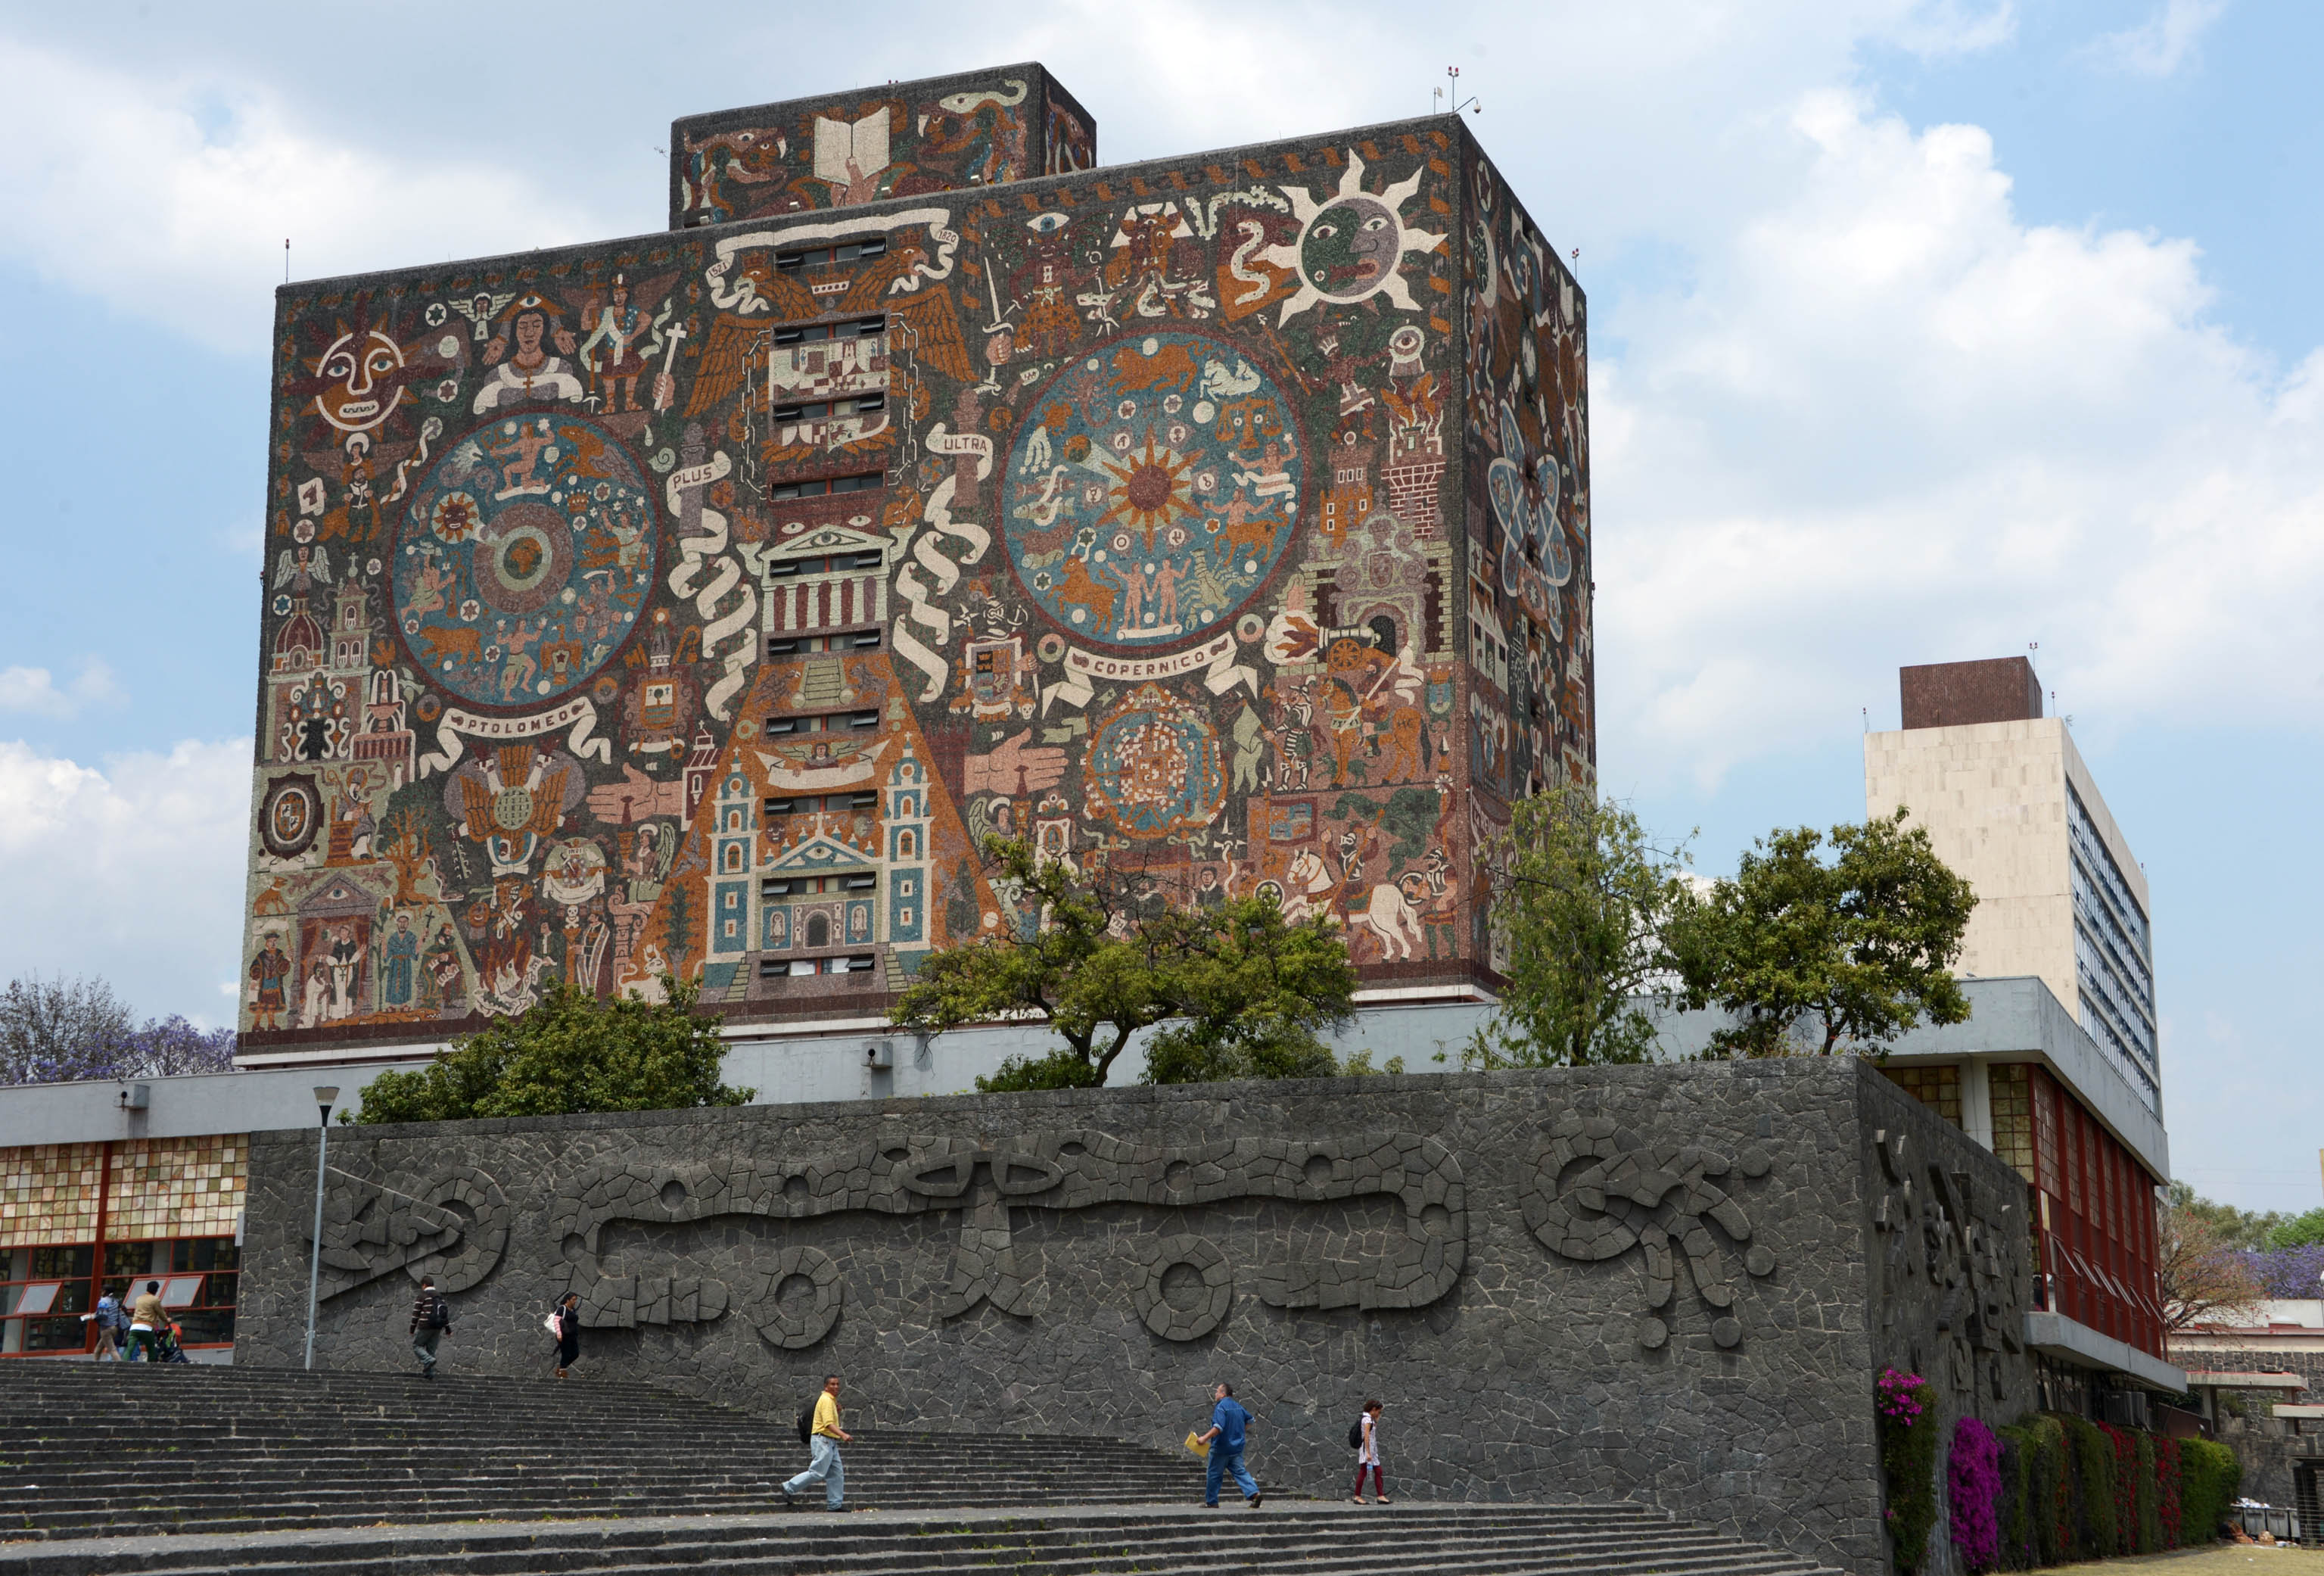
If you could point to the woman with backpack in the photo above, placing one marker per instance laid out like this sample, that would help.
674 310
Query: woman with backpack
565 1323
1364 1435
112 1327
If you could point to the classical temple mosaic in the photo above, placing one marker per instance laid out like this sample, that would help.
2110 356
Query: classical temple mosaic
692 604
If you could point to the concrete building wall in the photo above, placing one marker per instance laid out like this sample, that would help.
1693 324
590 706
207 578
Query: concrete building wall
1672 1284
1993 798
698 601
1999 801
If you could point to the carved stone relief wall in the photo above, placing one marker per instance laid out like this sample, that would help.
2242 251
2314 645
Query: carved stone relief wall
1667 1283
1951 1275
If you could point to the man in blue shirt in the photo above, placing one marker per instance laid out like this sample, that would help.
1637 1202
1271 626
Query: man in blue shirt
1227 1422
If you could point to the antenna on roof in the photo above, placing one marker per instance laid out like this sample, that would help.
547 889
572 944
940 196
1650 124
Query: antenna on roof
286 259
1453 93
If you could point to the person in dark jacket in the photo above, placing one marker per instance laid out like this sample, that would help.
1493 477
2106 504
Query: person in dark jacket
565 1321
431 1321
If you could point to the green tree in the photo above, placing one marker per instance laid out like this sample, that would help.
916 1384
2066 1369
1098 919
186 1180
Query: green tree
568 1052
1860 945
1581 893
1112 955
2245 1229
2296 1232
2203 1275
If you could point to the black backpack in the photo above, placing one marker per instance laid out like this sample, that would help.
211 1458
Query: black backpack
1356 1433
439 1313
807 1423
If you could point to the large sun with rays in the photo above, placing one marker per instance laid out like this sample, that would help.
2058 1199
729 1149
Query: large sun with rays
1149 488
1351 246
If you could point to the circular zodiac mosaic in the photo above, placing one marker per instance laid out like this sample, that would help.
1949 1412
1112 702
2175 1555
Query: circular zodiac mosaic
524 560
1153 767
1152 490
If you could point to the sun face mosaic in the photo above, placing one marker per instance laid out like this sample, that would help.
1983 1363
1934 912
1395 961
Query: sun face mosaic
692 605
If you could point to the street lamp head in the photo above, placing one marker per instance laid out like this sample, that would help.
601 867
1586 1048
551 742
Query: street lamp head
327 1095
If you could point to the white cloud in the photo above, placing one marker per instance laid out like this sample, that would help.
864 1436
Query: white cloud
36 690
169 196
2160 45
1891 423
134 871
1946 29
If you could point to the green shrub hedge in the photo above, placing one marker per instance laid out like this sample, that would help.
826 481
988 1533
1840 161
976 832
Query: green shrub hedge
2209 1476
2066 1489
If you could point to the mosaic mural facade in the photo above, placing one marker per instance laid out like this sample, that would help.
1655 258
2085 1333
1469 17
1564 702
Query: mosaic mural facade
693 603
905 139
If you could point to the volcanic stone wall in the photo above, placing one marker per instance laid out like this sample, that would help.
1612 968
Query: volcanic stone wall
1674 1283
695 603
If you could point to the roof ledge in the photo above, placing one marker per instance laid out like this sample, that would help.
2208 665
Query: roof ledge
2056 1336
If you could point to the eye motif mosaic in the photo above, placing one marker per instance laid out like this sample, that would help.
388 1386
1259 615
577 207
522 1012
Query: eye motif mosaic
693 605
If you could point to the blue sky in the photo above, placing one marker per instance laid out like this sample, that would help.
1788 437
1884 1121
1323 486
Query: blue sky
1924 330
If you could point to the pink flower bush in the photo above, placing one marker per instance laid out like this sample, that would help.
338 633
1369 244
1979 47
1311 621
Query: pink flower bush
1894 1395
1973 1479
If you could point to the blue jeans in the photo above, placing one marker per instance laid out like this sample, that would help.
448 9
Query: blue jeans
822 1467
1222 1461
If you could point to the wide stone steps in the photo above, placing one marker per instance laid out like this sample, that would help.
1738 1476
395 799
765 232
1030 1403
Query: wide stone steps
1155 1541
138 1449
250 1473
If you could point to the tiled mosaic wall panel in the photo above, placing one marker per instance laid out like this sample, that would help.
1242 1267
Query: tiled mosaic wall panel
49 1193
176 1187
1674 1283
162 1187
906 139
694 602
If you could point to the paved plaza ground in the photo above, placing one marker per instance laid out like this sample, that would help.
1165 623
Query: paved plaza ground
2227 1560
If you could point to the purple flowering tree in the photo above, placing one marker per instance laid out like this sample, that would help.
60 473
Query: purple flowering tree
2290 1272
60 1030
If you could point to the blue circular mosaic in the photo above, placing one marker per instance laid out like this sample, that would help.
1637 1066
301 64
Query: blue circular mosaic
1151 490
524 560
1153 768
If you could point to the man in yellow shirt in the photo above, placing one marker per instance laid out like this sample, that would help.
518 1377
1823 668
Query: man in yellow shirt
823 1461
147 1318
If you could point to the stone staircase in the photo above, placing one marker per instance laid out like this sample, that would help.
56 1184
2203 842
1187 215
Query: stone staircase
205 1471
135 1448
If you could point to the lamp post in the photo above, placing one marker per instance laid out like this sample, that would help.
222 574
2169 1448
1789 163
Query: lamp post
326 1095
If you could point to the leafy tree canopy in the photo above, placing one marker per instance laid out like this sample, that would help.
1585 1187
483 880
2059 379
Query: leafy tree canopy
568 1052
2300 1231
1580 896
1115 952
2204 1278
2234 1228
1859 945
